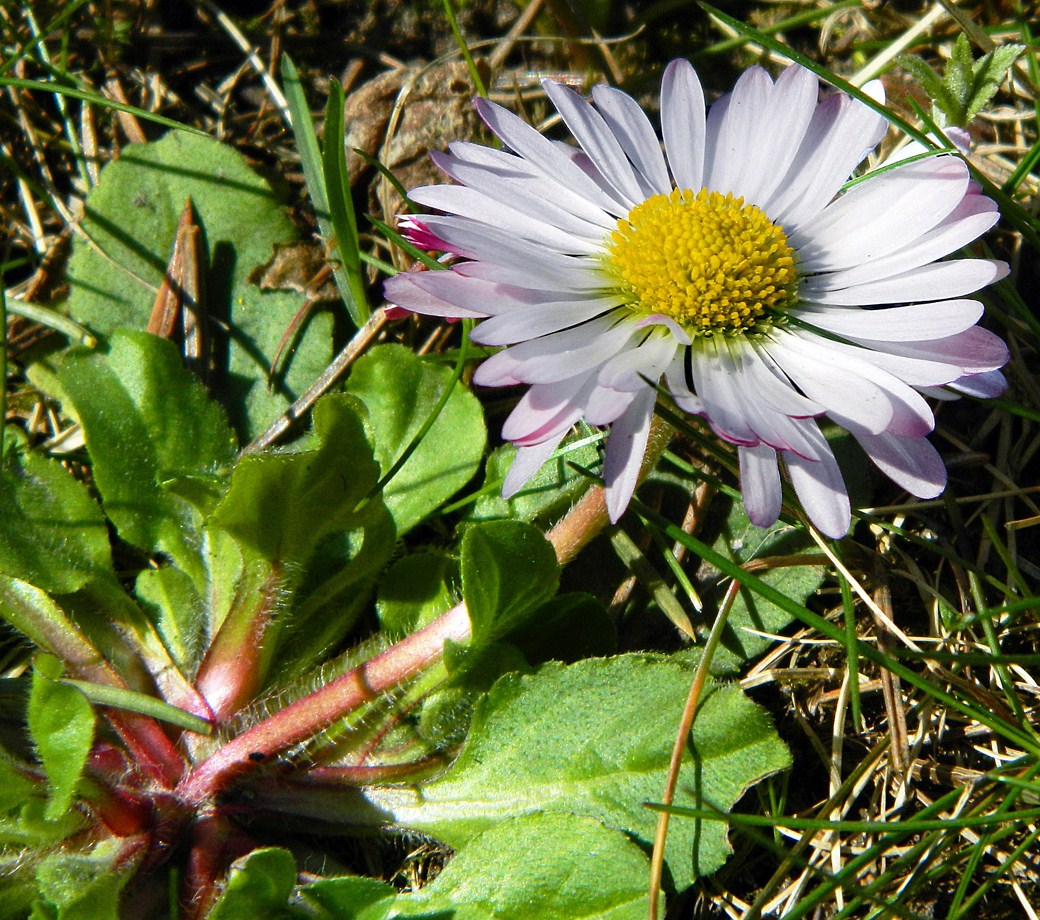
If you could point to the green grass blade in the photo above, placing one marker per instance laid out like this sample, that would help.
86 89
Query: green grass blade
341 205
313 173
73 92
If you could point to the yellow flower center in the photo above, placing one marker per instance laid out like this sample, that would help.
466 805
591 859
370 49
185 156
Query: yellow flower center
710 262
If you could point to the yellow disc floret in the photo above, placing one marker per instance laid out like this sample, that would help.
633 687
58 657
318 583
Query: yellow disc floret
708 261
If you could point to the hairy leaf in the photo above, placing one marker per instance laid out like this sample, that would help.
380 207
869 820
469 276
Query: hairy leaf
52 533
594 739
177 611
538 867
967 85
281 505
258 887
752 615
348 896
414 590
81 886
147 419
61 724
508 568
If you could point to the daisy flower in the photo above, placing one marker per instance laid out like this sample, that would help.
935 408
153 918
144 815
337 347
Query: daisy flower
725 264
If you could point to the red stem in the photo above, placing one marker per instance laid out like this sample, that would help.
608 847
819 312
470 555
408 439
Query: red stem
309 716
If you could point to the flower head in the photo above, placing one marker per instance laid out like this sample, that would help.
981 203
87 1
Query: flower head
728 266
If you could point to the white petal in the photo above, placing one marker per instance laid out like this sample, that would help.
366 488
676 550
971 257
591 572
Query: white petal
631 369
632 128
760 484
604 405
559 356
416 291
897 324
773 387
968 221
731 129
512 180
820 488
527 462
929 282
843 386
675 380
790 109
626 446
576 276
911 415
597 140
714 382
543 154
530 322
779 431
682 124
881 216
467 202
908 413
841 133
474 239
920 371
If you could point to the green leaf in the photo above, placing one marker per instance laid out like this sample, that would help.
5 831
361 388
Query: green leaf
400 390
567 628
594 739
146 419
129 228
987 75
81 886
967 85
176 608
15 787
52 533
538 867
740 541
508 568
31 829
415 590
282 505
61 724
258 887
349 896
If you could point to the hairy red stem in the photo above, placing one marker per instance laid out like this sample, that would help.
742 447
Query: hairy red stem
309 716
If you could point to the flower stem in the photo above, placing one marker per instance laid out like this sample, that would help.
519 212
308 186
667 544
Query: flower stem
588 517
